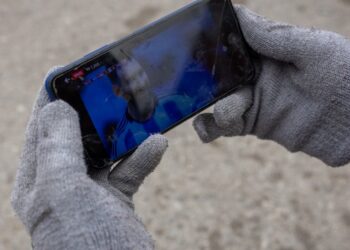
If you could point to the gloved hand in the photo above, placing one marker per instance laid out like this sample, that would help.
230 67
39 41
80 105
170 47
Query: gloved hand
60 205
302 97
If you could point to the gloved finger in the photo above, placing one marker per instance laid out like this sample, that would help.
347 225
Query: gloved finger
60 151
128 175
229 112
207 129
228 117
275 40
26 173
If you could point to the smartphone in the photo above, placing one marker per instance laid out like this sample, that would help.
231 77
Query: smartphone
155 79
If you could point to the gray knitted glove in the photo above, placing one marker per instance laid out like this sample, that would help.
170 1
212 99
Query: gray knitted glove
302 97
60 205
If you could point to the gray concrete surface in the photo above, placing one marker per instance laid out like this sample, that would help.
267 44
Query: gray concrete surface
237 193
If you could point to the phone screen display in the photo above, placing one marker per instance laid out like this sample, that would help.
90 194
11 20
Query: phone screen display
157 78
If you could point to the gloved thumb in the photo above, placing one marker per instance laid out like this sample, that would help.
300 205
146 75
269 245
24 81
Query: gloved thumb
128 175
228 117
60 151
275 40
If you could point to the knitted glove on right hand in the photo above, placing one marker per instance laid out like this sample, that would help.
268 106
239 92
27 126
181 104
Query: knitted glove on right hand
302 97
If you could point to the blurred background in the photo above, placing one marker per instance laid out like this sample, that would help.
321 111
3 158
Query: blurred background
236 193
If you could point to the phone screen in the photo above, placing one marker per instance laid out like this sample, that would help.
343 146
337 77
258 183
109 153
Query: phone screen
157 78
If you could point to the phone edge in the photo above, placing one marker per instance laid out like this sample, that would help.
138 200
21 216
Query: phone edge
98 52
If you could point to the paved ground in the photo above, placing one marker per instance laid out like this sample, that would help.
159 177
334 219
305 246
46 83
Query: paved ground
233 194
